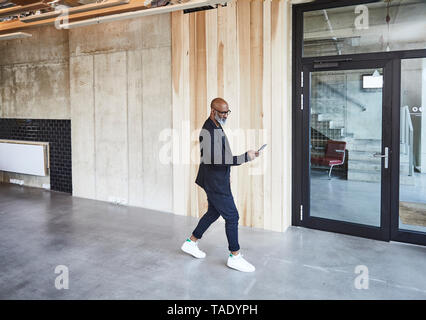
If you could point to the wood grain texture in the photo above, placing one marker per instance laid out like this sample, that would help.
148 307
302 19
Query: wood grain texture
22 9
287 116
180 114
256 87
16 25
24 2
277 76
245 188
201 102
193 106
240 53
211 56
267 115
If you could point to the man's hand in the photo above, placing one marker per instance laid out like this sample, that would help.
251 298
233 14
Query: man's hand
252 154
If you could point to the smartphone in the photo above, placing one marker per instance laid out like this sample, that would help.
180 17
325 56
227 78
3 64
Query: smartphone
261 148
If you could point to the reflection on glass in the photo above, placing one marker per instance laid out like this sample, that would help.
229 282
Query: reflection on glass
375 27
346 131
412 204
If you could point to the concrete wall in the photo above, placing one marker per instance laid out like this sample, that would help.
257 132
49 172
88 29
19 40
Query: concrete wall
114 82
120 93
34 83
34 76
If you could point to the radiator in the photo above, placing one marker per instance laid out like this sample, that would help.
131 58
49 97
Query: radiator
27 157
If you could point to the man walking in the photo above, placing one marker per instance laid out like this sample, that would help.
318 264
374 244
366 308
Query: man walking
214 177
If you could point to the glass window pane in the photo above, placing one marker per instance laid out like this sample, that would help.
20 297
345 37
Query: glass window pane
376 27
412 189
346 132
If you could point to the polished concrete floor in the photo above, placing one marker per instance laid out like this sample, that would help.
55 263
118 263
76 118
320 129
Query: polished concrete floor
116 252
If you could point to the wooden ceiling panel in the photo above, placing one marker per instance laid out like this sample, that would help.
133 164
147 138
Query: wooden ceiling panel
49 19
21 9
24 2
71 3
17 25
74 10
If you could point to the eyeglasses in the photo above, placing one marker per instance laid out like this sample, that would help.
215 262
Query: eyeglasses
223 112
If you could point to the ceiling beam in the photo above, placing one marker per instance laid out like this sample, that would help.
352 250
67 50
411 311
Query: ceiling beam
17 25
24 2
71 11
71 3
188 6
132 6
21 9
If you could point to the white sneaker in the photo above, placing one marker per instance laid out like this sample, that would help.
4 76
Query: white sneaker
191 247
239 263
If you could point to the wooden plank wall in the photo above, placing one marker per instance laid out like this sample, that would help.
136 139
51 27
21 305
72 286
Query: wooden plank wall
241 53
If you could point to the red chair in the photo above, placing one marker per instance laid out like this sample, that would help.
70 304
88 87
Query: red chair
334 155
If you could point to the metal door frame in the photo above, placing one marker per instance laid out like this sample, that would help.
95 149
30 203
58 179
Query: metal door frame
391 124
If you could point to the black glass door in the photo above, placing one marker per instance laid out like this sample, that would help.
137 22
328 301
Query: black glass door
347 143
359 121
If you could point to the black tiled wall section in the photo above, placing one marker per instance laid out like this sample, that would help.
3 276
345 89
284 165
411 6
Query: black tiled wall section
57 133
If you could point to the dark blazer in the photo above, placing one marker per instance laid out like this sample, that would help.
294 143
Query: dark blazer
216 159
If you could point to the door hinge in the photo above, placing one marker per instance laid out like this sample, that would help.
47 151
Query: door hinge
301 102
301 79
301 212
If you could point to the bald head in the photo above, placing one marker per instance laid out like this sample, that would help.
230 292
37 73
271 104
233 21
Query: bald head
219 111
219 104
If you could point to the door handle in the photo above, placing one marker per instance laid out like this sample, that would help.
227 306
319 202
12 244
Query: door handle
386 156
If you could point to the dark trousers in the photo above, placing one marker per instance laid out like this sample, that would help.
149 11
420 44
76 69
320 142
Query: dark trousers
220 205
